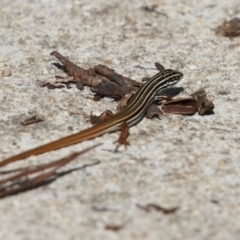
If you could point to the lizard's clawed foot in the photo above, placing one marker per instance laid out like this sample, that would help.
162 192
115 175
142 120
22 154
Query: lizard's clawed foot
123 136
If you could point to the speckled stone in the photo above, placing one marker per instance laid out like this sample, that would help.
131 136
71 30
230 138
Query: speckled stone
190 162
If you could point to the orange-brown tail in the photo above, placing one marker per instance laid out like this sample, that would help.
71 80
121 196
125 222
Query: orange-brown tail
63 142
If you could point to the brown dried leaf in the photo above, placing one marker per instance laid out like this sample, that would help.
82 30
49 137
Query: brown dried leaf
71 68
44 173
109 89
31 120
159 67
205 106
115 77
230 28
52 86
104 81
183 106
152 206
198 102
113 227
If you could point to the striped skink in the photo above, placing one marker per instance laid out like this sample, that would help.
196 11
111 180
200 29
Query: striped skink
129 116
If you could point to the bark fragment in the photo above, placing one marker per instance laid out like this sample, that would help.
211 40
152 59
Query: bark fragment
230 28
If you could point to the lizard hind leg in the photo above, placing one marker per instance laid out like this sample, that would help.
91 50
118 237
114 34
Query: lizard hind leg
122 140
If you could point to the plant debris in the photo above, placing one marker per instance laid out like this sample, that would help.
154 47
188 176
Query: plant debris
184 106
198 102
113 227
36 176
204 105
152 9
52 86
230 28
152 206
105 82
32 120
